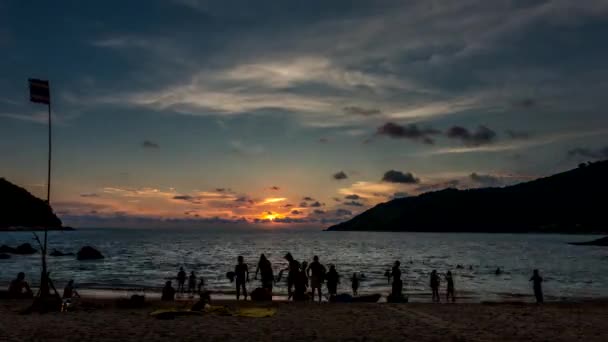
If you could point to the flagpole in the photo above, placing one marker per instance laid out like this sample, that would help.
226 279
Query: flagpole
44 286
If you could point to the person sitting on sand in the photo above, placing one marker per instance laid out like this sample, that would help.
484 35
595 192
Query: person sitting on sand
450 291
241 272
69 291
293 271
265 268
19 288
317 276
498 271
191 283
355 284
301 284
397 286
181 280
435 286
333 279
537 284
168 292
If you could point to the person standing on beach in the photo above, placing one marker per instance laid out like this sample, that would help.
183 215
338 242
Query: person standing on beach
265 268
192 283
292 275
355 284
435 286
301 284
333 278
450 290
316 271
69 291
181 280
242 276
538 288
397 285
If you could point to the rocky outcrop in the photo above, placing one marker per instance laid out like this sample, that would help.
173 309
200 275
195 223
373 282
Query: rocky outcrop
20 210
89 253
23 249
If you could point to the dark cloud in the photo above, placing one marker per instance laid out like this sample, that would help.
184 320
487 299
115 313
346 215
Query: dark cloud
513 134
454 183
150 144
296 212
352 197
184 197
526 103
393 176
343 212
244 199
485 180
92 194
483 135
303 204
361 111
307 198
220 189
323 140
340 175
411 131
275 188
288 205
353 204
316 204
318 212
337 199
601 153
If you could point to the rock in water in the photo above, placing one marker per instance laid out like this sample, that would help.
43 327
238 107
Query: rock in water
57 253
25 248
4 256
6 249
88 253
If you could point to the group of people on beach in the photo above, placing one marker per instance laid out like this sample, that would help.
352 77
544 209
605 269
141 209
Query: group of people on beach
301 277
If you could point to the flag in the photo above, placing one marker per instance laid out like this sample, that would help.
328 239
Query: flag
39 91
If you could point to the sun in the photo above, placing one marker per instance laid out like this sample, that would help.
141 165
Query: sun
270 217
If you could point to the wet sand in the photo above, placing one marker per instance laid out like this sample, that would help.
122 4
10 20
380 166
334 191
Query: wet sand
101 320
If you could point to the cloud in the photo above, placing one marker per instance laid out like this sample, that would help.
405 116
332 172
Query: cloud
316 204
308 198
246 149
353 203
296 212
601 153
336 199
318 212
275 188
393 176
485 180
343 212
483 135
526 103
150 144
303 204
90 194
340 175
361 111
323 140
288 205
352 197
513 134
411 131
453 183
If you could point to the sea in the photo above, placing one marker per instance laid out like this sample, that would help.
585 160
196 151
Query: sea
143 259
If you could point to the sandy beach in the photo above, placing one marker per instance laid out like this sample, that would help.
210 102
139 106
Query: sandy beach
102 320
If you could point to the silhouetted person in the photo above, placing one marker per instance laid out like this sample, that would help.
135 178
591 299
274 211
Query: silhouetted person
435 285
538 288
292 275
181 280
450 290
19 288
168 292
317 276
241 276
397 286
498 271
192 282
301 283
201 285
265 269
69 291
333 279
354 282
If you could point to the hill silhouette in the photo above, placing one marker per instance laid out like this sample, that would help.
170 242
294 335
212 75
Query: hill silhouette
568 202
19 209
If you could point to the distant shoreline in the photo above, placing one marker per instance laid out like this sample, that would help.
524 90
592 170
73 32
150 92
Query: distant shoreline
37 229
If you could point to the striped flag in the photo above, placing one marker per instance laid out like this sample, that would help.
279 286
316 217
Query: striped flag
39 91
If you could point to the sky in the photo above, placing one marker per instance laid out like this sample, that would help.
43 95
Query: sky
278 114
